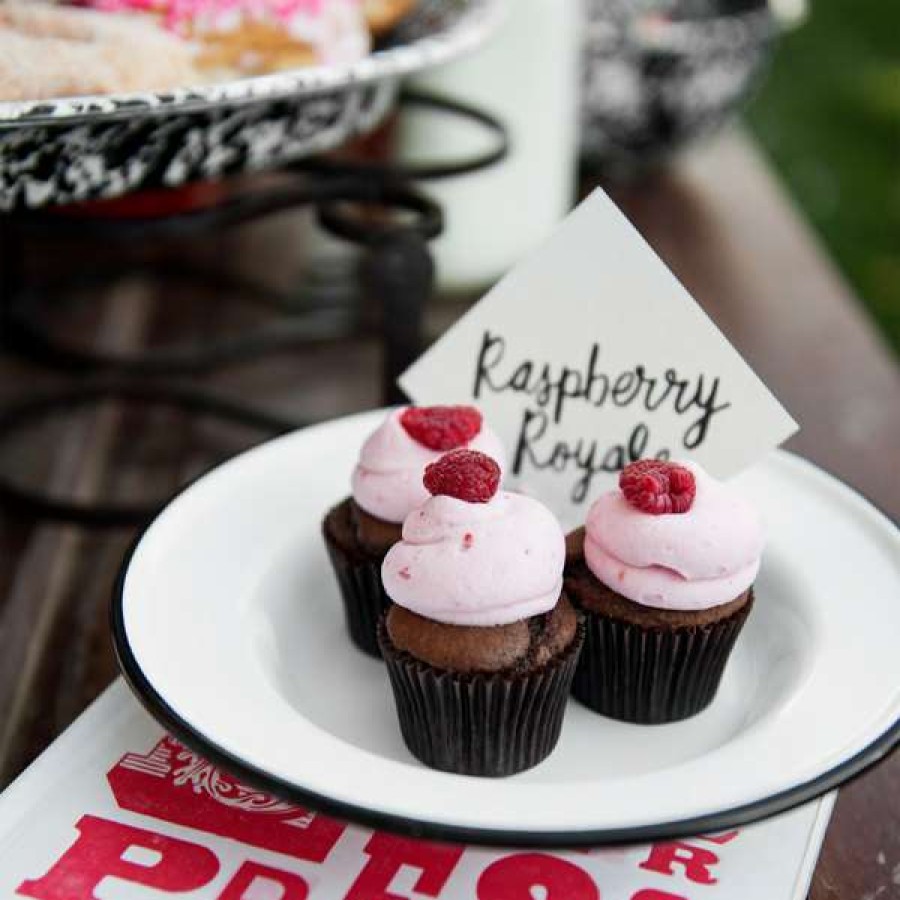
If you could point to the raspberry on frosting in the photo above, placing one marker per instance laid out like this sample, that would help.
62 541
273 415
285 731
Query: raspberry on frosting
465 474
475 563
658 487
387 480
441 427
684 562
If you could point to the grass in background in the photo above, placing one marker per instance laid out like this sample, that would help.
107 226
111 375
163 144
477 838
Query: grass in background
829 116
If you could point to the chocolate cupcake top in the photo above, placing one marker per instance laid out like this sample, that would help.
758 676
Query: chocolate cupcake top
471 555
673 537
519 646
387 481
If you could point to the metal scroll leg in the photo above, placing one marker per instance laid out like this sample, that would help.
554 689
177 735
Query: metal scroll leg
11 263
399 273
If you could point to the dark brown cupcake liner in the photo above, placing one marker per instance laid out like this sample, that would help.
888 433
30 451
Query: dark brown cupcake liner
362 593
485 724
652 675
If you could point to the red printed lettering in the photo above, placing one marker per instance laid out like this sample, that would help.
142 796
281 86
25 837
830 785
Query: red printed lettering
388 854
107 849
251 876
695 861
174 784
722 838
516 877
651 894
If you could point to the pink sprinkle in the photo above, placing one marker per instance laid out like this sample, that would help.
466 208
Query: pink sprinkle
181 14
468 540
621 574
404 573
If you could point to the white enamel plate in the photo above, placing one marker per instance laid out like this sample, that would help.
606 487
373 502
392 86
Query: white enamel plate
229 627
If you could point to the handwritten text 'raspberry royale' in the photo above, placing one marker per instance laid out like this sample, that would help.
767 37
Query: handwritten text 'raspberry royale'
553 389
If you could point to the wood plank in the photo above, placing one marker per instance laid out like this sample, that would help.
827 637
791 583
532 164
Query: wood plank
152 452
35 604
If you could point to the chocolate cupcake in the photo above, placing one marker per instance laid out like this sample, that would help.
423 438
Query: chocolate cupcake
664 580
386 485
481 643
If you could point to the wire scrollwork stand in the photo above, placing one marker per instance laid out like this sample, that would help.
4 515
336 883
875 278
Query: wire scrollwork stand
397 270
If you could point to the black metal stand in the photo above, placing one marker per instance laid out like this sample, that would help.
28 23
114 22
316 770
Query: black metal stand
397 269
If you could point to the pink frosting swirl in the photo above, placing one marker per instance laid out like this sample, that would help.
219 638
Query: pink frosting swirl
702 558
387 481
477 563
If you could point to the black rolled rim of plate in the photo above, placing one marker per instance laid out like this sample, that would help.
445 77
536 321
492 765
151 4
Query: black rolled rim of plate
721 820
475 20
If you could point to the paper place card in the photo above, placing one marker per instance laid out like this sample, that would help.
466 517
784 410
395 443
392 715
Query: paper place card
590 354
116 809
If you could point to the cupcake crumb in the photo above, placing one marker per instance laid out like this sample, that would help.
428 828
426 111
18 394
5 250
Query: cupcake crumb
405 573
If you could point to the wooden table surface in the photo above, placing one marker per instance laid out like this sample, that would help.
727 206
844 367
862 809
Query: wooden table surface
721 222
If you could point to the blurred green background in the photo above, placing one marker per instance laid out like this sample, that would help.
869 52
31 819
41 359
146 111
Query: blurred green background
828 114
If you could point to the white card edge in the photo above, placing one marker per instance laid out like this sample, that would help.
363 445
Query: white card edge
791 425
814 843
25 793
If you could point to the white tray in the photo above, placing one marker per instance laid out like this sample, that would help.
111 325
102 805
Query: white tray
228 627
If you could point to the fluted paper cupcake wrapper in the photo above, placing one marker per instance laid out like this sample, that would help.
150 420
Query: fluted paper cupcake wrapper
486 724
363 595
653 675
